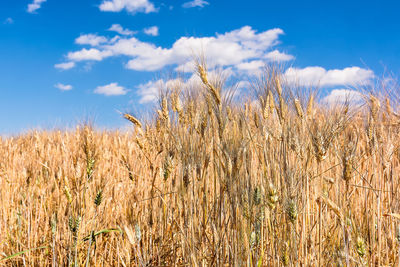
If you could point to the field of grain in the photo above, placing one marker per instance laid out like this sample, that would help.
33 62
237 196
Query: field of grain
280 179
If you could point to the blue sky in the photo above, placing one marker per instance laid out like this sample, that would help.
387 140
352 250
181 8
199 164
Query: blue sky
64 61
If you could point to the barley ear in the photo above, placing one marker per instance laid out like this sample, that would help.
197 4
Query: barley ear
132 119
98 198
299 109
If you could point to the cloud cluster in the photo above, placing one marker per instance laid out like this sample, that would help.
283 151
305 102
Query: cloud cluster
148 92
90 39
153 31
318 76
35 5
65 66
132 6
310 76
241 51
338 96
89 54
63 87
238 49
112 89
195 3
118 28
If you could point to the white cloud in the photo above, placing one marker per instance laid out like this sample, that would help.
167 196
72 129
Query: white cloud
243 49
252 67
63 87
239 87
65 66
153 31
132 6
227 49
278 56
318 76
90 39
89 54
8 21
337 96
118 28
195 3
148 92
111 89
35 5
243 85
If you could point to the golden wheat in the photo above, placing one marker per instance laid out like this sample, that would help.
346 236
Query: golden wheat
208 182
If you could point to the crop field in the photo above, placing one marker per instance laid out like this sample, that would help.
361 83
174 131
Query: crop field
277 179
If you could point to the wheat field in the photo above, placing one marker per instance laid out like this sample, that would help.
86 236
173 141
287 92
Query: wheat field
278 179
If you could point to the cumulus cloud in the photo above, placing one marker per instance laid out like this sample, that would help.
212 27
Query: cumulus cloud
35 5
112 89
337 96
89 54
153 31
90 39
195 3
278 56
65 66
119 29
243 85
63 87
318 76
149 91
240 49
132 6
252 67
229 49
